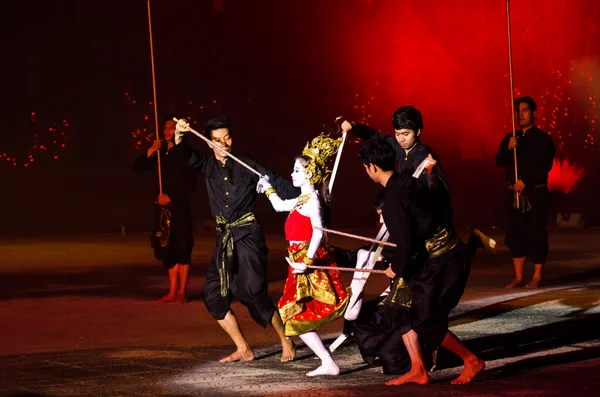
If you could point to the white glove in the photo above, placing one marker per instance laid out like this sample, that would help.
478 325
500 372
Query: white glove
263 184
298 267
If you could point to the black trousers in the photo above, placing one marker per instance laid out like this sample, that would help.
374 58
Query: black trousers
248 277
378 335
526 234
436 289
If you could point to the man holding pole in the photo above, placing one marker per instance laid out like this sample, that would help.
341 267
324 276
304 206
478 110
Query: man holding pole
527 176
239 263
173 234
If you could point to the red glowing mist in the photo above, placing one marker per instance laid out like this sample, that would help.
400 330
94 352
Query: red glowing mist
450 60
564 176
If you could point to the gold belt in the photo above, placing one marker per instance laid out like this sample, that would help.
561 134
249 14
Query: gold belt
227 246
442 241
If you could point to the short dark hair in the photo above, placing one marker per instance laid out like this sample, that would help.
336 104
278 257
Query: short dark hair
407 117
528 100
378 152
216 123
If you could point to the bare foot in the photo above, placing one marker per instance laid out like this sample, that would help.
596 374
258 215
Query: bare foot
182 298
327 368
534 283
288 350
471 369
513 284
238 355
167 299
418 376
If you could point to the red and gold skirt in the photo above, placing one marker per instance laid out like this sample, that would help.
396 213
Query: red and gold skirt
313 298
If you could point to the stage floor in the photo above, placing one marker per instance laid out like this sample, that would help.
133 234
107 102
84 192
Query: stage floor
78 318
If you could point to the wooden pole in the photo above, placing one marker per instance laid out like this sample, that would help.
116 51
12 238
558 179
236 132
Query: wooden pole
154 91
512 94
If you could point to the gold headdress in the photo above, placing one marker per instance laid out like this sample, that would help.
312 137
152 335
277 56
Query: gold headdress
319 150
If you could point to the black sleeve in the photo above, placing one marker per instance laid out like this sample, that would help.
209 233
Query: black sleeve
504 155
442 182
285 189
397 220
191 157
144 163
540 164
365 132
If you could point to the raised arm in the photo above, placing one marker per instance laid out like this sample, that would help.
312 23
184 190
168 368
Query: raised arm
147 160
365 132
191 157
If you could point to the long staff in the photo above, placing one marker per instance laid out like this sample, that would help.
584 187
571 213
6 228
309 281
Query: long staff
219 147
154 91
512 94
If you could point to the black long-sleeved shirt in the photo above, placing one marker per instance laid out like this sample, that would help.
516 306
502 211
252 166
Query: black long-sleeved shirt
409 213
178 178
408 163
535 156
231 187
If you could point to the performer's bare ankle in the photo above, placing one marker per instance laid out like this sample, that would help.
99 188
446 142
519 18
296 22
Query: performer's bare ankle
515 283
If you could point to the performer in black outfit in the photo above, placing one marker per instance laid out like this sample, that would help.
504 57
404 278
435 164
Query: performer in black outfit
377 327
239 263
526 235
410 152
179 183
429 257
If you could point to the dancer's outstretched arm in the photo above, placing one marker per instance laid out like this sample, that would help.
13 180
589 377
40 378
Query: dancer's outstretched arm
279 205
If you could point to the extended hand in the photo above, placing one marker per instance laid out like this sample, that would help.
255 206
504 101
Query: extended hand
298 267
263 184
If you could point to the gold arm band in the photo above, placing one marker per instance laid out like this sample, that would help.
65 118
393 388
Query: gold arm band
269 192
308 261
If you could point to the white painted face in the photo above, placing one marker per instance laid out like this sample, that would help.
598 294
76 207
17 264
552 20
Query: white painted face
299 175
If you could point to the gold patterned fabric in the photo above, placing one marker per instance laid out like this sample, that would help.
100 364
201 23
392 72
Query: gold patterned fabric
399 294
312 298
163 234
524 204
443 241
227 245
